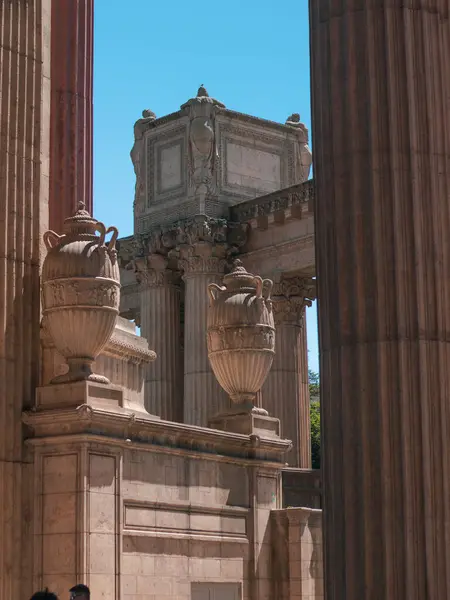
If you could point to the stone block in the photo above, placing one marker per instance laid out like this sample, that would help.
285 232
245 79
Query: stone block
247 423
67 395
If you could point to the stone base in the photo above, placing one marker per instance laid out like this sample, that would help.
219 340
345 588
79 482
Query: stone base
70 395
247 423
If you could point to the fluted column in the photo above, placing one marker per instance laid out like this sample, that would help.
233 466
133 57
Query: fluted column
285 394
381 130
71 108
160 325
203 396
24 154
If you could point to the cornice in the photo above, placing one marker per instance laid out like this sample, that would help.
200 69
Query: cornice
290 198
140 431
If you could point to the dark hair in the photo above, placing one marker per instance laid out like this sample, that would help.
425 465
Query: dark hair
80 589
45 595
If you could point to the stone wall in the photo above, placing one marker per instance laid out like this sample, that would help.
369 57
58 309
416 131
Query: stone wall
136 521
297 554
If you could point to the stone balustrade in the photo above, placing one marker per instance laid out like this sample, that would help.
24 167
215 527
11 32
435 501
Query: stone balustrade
294 202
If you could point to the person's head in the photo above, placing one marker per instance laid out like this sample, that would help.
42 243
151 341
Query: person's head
80 592
44 595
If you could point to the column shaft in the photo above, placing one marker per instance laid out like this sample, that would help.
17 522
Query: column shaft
280 393
304 400
381 118
24 152
160 324
71 108
203 396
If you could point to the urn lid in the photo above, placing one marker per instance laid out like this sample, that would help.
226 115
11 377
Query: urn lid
81 222
238 277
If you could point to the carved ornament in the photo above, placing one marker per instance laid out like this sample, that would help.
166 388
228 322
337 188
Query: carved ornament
80 292
291 297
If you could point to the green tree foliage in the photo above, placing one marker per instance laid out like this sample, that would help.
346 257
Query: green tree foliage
314 384
314 391
315 434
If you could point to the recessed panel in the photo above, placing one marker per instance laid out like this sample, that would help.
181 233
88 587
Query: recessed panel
170 165
251 167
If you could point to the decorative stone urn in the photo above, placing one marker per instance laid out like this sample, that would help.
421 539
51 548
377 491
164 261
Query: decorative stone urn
80 292
241 334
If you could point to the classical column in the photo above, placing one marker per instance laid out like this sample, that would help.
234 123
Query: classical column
203 396
160 325
285 394
381 117
24 155
71 108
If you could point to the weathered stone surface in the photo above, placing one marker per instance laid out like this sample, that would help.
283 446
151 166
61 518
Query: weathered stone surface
24 160
80 292
71 108
205 158
381 129
150 504
241 335
285 393
297 550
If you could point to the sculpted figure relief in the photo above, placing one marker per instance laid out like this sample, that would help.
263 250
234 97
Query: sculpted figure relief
203 152
138 152
303 155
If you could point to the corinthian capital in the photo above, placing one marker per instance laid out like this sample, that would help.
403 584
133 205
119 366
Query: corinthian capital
153 271
199 262
290 297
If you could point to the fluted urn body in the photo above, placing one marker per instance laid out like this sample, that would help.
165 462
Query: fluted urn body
80 292
241 334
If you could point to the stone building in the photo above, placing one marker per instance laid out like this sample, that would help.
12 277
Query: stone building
213 184
137 493
95 485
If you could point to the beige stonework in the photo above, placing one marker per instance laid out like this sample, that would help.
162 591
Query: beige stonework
286 392
298 556
80 292
24 192
160 298
150 507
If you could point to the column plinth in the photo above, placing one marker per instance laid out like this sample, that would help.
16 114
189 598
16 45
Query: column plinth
285 393
203 396
160 325
381 130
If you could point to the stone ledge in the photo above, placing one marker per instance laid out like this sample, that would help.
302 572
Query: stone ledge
127 429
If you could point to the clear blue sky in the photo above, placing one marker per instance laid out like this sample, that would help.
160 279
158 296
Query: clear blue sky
253 56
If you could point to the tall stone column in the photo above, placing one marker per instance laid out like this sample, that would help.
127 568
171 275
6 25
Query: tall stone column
203 396
24 155
381 117
285 394
160 325
71 108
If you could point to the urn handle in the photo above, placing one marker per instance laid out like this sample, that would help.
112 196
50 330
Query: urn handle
259 286
267 285
48 237
213 292
100 227
113 240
